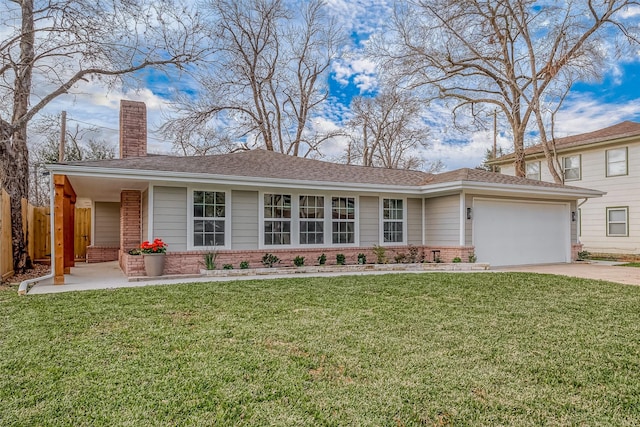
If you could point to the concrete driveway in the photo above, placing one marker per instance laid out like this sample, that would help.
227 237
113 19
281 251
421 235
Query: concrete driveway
599 270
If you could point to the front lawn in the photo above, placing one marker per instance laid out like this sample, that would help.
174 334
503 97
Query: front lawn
393 350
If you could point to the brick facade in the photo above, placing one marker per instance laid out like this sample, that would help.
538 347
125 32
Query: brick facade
575 248
191 262
133 129
102 253
130 221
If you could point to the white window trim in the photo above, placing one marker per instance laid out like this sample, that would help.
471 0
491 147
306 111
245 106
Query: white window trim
626 221
539 177
227 219
626 162
356 222
382 221
295 221
564 175
325 223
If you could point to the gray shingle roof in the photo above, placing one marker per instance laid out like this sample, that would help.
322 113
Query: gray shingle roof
621 130
266 164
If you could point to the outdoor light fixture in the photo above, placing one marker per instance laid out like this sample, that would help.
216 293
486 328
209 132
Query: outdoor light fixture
468 213
573 216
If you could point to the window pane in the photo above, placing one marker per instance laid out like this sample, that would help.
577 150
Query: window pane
198 211
615 228
618 215
618 155
572 174
571 162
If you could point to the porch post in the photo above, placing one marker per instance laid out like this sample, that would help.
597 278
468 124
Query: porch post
58 212
130 219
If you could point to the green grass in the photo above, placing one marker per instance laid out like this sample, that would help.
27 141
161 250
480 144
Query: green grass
393 350
631 264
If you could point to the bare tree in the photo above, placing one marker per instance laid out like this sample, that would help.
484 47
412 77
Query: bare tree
265 79
387 130
519 56
82 143
48 47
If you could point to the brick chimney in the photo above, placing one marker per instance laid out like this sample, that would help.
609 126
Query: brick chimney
133 129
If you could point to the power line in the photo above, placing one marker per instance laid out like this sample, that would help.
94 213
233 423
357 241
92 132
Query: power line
116 130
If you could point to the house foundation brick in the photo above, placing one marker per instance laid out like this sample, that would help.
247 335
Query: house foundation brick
102 253
575 249
130 221
193 261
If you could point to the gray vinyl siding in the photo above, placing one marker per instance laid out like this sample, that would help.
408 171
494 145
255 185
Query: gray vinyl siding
443 220
414 221
145 215
107 224
574 224
369 220
468 223
244 224
170 216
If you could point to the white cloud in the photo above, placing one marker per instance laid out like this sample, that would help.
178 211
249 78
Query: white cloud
630 12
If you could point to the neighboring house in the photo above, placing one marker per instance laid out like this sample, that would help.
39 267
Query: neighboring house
607 160
246 204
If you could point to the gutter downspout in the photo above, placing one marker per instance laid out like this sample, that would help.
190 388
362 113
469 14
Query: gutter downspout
586 199
24 285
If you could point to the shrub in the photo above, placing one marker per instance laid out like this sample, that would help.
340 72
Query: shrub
244 265
362 258
210 260
379 252
582 255
322 259
457 259
400 258
413 254
341 259
227 267
472 257
437 259
268 260
298 261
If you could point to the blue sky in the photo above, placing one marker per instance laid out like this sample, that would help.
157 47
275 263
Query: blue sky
589 107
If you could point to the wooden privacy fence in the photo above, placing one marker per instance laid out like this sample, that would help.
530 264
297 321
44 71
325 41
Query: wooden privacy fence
37 228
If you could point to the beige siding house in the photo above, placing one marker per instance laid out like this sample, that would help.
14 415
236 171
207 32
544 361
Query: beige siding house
246 204
607 160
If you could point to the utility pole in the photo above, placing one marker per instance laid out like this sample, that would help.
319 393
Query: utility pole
63 133
495 136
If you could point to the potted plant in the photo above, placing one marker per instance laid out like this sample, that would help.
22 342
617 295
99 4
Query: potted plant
154 253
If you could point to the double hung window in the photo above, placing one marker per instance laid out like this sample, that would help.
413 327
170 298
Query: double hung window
209 216
277 219
392 220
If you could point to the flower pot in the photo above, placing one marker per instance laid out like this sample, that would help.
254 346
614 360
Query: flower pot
154 264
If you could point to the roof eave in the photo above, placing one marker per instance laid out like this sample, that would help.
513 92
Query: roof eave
163 176
594 144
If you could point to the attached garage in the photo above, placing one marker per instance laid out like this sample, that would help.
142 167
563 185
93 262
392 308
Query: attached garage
508 232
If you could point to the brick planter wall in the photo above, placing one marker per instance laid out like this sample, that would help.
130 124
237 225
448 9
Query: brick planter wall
102 253
191 262
575 248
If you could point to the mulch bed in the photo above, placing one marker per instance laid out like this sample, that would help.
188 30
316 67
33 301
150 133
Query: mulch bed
37 271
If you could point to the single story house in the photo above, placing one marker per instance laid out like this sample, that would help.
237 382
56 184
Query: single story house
246 204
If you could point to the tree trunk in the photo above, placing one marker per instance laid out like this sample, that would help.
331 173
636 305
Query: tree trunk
15 153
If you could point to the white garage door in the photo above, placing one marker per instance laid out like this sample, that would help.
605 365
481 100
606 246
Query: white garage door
517 233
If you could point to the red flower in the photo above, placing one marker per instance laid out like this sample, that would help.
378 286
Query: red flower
155 247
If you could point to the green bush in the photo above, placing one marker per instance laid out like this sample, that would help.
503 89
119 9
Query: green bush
244 265
582 255
227 267
379 252
400 258
210 260
268 260
298 261
472 258
362 258
322 259
457 260
341 259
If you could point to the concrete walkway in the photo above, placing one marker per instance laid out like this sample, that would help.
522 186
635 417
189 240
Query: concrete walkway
598 270
109 276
